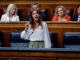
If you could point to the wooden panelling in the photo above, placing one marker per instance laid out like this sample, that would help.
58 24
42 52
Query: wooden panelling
26 55
18 58
4 58
40 2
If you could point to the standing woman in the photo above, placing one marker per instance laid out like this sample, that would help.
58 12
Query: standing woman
11 14
61 15
37 32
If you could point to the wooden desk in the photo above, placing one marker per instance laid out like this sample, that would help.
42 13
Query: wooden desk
59 27
39 54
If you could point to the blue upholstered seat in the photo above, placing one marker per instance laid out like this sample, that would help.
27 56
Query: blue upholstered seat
16 41
52 37
71 40
1 39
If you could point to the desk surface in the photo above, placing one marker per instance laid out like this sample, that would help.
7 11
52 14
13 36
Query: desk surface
23 49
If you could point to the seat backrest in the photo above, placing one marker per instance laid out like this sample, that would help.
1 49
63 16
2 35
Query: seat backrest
51 34
16 41
54 40
1 39
47 13
71 40
70 11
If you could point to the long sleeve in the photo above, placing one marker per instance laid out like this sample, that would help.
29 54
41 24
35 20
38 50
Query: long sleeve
2 18
46 37
25 35
5 18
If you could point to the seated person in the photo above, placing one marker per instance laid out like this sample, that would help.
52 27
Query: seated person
11 14
76 17
61 15
37 7
37 32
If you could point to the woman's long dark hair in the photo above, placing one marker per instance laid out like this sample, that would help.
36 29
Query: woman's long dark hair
32 20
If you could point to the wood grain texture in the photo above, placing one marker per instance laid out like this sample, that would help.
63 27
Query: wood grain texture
8 55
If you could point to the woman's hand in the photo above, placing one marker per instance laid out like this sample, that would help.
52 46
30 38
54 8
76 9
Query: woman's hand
26 26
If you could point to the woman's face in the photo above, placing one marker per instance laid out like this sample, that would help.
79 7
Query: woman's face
36 7
13 10
35 15
79 10
60 12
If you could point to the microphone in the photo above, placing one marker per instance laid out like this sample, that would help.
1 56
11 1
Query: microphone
30 35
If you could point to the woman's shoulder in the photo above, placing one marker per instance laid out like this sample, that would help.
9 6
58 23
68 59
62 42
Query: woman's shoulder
44 23
68 18
16 15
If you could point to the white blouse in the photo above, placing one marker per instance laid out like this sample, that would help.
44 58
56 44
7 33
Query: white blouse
78 18
39 34
5 18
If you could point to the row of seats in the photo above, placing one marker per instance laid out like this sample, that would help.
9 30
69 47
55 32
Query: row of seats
70 40
16 41
23 12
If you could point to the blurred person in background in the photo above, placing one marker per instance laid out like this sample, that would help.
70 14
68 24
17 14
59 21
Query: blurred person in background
61 15
76 17
36 7
11 14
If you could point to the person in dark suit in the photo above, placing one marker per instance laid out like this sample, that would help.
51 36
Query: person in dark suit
36 7
76 17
